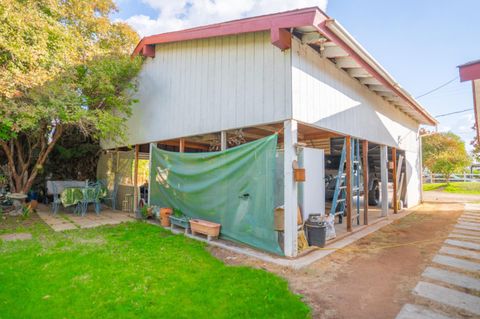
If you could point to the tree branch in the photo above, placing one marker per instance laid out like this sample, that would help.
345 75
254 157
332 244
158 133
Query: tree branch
45 151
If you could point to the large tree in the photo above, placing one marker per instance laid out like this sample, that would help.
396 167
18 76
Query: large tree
444 153
63 64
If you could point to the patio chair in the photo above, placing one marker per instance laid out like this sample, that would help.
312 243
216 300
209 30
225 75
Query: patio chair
56 198
111 196
91 196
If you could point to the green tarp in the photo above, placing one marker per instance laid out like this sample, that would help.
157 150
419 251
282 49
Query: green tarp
234 187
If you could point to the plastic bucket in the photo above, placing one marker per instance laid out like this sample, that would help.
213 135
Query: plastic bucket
316 233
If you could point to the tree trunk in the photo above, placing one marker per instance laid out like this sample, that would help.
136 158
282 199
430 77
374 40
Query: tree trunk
22 174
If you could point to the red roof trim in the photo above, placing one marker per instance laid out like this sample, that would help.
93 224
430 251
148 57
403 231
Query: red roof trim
273 22
469 71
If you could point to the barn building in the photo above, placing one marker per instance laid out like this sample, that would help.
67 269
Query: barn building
298 74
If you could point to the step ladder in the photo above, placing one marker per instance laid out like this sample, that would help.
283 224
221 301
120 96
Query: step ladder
340 193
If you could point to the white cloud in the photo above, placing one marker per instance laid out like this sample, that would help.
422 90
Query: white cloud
179 14
466 123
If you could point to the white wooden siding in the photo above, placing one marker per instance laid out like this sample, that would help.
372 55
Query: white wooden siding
208 85
328 97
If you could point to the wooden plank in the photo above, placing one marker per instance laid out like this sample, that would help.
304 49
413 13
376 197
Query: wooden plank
181 145
365 181
384 179
188 144
135 179
348 178
394 175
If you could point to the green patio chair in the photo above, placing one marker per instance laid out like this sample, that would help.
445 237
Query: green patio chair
91 195
111 196
56 198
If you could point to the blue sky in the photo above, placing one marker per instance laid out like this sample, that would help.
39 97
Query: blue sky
419 42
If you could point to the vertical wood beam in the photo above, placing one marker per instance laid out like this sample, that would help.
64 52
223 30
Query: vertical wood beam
223 140
348 182
394 177
150 167
290 188
384 179
135 179
365 181
181 145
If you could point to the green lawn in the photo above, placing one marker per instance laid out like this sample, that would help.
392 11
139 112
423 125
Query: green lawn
134 270
455 187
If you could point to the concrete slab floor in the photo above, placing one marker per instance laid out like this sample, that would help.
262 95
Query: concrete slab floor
453 278
66 220
462 244
462 264
303 260
464 237
460 252
410 311
448 297
16 236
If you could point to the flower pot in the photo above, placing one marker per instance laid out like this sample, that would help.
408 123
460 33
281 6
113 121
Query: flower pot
165 213
211 230
180 222
33 204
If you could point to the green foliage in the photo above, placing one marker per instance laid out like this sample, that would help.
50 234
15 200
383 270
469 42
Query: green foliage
463 188
177 213
444 153
25 212
63 64
144 211
3 180
433 186
455 187
133 270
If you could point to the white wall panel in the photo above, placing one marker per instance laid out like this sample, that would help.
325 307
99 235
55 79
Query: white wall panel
209 85
328 97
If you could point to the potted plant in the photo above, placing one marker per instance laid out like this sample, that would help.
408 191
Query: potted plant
180 220
143 212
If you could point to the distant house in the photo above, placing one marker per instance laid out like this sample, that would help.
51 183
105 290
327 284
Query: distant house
299 73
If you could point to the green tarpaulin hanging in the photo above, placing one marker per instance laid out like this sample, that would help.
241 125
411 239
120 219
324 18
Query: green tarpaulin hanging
234 188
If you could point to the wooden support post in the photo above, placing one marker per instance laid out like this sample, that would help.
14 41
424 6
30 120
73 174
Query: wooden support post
150 167
135 179
394 178
223 140
348 182
384 178
290 189
365 181
181 146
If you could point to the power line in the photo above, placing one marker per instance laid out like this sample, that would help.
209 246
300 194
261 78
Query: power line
437 88
456 112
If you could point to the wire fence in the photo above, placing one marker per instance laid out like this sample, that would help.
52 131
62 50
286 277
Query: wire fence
441 178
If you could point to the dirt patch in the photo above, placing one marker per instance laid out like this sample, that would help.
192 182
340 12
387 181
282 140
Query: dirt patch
10 224
374 277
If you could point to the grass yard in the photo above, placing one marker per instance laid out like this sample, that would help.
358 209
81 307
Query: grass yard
455 187
134 270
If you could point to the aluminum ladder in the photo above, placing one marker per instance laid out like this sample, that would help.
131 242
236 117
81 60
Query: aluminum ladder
340 193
